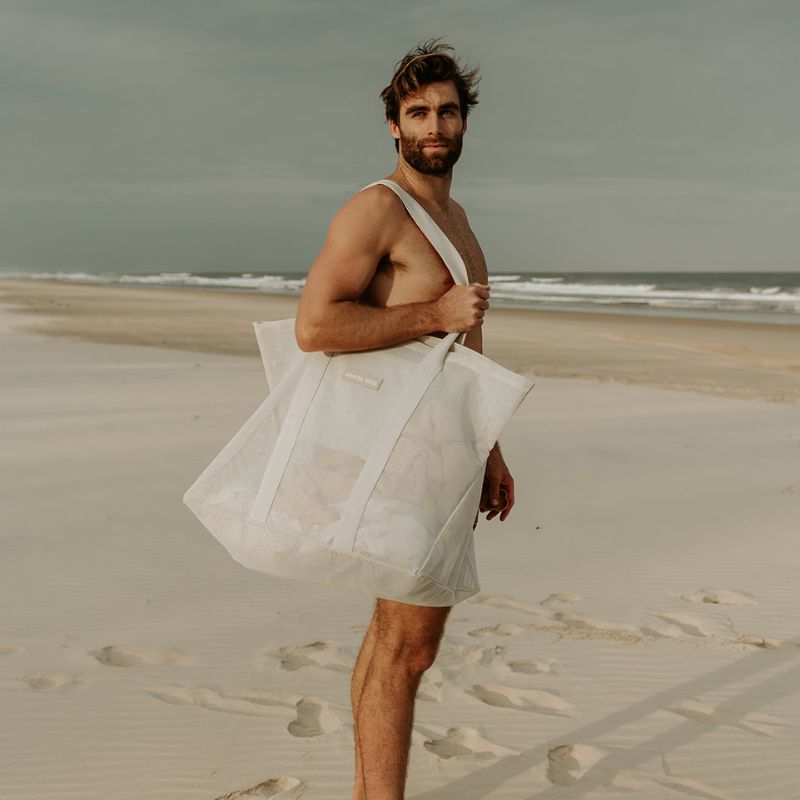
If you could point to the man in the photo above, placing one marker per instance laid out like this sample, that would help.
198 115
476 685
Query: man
377 282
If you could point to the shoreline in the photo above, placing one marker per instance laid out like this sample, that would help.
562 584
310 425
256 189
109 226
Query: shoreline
743 359
686 307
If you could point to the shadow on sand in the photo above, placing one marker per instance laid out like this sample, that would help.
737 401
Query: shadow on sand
482 782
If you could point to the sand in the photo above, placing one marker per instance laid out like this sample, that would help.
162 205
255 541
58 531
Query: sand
636 634
738 359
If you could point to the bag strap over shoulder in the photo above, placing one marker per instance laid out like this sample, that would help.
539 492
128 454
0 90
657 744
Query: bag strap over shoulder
314 366
427 224
435 235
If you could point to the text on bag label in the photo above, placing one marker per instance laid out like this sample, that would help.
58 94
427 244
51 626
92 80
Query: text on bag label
362 378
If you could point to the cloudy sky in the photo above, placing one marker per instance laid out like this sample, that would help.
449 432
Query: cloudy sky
144 135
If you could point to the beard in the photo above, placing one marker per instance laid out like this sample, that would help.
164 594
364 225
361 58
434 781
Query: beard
431 162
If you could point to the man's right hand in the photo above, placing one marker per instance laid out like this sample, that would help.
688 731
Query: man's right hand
461 308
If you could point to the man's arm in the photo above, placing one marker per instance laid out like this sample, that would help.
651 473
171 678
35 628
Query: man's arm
329 316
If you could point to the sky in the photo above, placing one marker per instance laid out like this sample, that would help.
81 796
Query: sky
207 136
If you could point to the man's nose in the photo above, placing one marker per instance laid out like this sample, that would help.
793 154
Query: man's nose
435 124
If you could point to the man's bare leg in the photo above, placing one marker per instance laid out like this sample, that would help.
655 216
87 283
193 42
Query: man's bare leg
356 687
406 639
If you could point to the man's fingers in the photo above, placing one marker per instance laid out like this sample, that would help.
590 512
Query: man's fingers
509 490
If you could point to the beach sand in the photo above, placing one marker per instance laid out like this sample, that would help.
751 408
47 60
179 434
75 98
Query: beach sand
739 359
637 632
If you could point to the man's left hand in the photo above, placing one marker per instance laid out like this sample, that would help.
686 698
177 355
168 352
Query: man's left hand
495 477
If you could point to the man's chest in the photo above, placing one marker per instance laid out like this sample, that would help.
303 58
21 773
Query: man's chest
414 256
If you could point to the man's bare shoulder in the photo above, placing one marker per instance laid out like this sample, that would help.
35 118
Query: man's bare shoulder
373 205
368 221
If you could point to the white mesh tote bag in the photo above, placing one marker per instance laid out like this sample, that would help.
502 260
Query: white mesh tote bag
364 469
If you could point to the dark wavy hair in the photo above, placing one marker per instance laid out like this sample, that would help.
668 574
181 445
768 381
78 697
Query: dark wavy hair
427 63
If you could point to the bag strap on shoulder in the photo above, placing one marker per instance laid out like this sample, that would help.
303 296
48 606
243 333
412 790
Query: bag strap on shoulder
435 235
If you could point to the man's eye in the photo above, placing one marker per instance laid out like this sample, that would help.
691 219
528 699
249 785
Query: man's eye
448 111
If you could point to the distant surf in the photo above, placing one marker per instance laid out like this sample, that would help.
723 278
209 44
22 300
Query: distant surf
756 296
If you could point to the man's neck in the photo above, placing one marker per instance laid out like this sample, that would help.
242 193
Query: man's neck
434 189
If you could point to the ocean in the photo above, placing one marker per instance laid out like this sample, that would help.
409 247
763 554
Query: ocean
749 296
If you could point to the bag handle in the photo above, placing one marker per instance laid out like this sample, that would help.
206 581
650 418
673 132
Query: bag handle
435 235
408 400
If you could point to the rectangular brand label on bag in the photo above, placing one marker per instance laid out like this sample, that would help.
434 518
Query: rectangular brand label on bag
362 378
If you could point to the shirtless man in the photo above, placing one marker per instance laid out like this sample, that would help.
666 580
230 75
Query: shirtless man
377 282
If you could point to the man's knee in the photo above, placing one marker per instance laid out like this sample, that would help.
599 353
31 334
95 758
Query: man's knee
409 636
424 655
407 653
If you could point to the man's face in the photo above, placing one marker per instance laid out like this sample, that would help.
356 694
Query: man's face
431 118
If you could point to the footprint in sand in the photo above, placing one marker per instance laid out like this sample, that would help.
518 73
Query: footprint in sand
7 649
317 654
588 627
464 741
254 704
283 787
536 700
721 596
661 630
421 733
41 681
314 717
758 724
582 622
532 666
502 601
501 629
459 655
568 763
265 698
116 655
561 597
